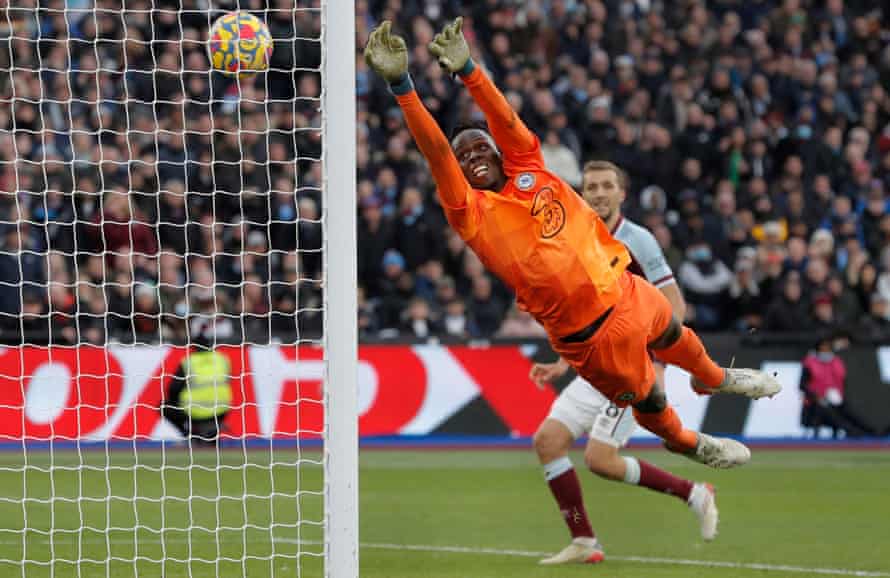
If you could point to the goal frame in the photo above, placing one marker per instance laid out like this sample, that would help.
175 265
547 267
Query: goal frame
340 300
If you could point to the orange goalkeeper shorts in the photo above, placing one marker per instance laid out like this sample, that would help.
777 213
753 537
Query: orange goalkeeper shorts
615 359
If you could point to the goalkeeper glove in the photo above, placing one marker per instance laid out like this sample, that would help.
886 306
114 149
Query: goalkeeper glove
451 48
387 54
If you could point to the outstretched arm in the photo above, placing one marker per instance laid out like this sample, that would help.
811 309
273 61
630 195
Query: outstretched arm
452 185
387 55
518 144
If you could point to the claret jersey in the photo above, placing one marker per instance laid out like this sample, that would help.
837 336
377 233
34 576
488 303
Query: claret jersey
647 258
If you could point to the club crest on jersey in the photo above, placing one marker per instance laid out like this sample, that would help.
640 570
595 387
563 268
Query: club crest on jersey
525 181
549 211
626 396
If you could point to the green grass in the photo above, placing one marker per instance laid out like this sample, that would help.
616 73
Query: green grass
812 509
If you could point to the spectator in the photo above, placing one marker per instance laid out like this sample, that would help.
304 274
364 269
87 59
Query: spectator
253 304
846 305
823 382
123 228
34 317
418 233
375 234
177 232
560 159
864 282
824 318
309 234
418 322
487 310
454 319
874 326
397 288
146 319
788 311
745 294
366 316
706 280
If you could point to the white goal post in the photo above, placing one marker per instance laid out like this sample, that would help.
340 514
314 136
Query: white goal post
341 334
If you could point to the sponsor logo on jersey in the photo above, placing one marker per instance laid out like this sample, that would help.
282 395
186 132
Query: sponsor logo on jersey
549 211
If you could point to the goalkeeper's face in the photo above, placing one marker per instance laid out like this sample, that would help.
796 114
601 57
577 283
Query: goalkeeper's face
479 159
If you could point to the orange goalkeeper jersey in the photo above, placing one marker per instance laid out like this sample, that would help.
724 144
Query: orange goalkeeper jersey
537 234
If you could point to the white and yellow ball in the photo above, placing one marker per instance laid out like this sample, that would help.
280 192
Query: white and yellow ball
240 43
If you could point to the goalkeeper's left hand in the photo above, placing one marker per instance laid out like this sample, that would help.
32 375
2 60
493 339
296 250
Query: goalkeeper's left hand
451 48
387 54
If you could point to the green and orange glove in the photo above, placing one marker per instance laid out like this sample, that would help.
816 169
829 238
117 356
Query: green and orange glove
387 55
451 49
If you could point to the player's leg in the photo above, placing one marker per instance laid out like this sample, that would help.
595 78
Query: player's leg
552 442
569 417
655 414
604 460
680 346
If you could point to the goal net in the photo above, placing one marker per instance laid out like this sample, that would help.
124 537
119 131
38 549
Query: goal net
177 293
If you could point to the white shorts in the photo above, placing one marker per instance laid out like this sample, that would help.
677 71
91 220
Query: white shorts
581 408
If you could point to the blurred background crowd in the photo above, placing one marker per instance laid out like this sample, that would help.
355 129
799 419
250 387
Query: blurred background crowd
139 191
755 134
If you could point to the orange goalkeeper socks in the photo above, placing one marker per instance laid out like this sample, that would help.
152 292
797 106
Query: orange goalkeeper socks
666 425
689 353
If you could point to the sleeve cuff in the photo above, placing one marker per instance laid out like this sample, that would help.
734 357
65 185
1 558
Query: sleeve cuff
402 86
468 68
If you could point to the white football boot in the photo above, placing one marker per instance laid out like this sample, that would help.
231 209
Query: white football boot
703 502
580 551
752 383
720 453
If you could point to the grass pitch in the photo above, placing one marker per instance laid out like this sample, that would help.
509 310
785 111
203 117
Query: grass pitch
434 514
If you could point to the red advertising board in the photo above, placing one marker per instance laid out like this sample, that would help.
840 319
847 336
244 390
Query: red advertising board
94 393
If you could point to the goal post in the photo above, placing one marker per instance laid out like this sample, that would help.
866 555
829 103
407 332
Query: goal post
341 333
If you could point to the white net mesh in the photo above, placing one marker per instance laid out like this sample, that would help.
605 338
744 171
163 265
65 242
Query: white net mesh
160 242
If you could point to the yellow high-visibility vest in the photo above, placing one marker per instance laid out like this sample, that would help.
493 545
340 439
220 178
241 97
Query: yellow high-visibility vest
207 392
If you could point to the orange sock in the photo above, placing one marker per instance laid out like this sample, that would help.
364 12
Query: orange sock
689 353
666 425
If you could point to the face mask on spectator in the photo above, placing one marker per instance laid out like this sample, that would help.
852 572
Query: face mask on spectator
286 212
700 254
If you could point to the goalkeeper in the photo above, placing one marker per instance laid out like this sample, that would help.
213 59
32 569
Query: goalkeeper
531 229
199 395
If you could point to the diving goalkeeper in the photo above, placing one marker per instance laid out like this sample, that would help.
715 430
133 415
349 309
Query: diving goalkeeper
538 235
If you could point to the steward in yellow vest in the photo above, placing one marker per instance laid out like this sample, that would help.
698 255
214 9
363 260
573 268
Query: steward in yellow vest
199 395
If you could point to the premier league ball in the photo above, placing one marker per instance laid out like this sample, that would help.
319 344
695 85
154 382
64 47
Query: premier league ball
240 43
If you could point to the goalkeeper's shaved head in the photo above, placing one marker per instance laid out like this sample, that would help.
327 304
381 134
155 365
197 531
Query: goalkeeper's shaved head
473 125
468 125
478 156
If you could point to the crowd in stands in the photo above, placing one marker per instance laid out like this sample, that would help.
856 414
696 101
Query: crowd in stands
140 192
137 190
756 135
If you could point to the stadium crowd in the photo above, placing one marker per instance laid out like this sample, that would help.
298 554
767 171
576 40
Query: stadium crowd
138 190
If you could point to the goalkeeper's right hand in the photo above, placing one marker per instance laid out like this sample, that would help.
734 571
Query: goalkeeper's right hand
387 54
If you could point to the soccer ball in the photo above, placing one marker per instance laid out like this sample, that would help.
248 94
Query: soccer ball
240 43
